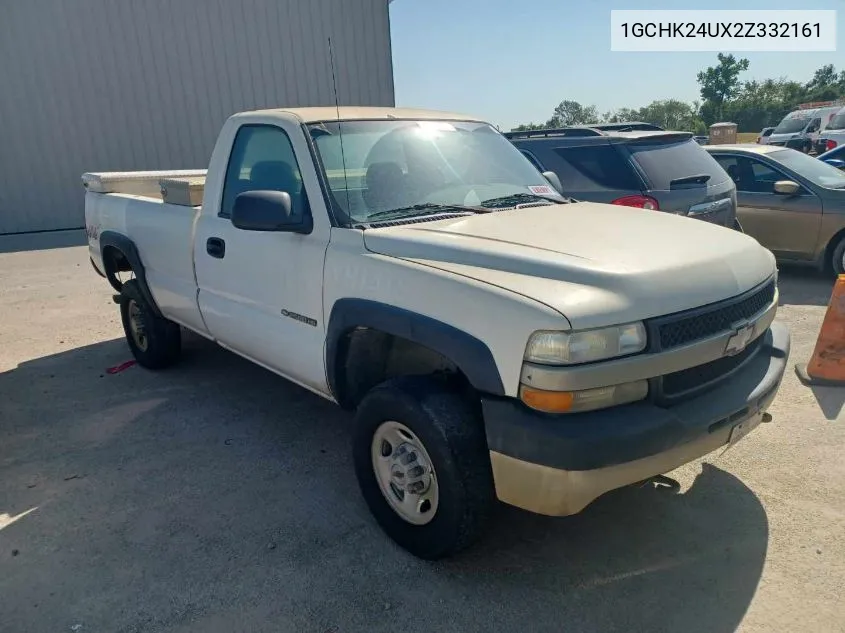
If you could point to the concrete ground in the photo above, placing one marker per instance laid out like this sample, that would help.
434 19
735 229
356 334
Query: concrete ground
218 497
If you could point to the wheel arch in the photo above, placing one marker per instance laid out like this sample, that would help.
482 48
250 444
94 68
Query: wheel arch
466 353
119 253
827 252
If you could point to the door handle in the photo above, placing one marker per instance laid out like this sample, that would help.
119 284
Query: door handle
215 247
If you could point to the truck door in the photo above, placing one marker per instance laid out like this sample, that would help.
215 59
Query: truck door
260 293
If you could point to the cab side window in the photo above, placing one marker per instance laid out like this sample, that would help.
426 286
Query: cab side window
262 158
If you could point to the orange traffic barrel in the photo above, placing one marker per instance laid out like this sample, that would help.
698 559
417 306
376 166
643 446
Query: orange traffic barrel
827 365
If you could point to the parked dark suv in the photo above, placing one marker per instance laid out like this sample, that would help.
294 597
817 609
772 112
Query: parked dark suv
660 170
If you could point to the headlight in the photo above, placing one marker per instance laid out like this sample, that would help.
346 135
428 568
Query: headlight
570 348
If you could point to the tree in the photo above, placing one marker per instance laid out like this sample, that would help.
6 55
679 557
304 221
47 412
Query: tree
823 77
752 105
670 114
759 104
573 113
622 115
826 84
719 84
525 127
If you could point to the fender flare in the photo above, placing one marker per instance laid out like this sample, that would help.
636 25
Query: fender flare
112 239
469 354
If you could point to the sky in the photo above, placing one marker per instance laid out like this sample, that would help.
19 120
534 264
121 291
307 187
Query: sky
513 61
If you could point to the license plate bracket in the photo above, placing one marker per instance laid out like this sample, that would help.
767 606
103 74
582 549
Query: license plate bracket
742 429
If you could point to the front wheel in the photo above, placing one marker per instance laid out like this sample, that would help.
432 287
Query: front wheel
423 466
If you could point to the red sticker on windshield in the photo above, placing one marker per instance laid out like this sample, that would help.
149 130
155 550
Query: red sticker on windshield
543 190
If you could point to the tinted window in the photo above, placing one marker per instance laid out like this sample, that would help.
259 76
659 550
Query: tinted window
761 178
816 171
663 163
595 168
791 125
838 121
731 166
262 158
751 175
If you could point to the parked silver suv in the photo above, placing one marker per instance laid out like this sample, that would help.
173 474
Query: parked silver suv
660 170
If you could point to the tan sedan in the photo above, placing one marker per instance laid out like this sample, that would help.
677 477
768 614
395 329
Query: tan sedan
791 203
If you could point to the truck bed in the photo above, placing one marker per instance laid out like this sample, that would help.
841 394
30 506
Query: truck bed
148 183
161 230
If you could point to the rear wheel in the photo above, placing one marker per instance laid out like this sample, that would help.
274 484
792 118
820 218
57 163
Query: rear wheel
155 342
423 466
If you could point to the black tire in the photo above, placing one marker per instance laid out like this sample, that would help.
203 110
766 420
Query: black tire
161 342
452 432
836 264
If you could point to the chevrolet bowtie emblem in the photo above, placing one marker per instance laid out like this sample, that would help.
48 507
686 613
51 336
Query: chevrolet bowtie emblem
739 339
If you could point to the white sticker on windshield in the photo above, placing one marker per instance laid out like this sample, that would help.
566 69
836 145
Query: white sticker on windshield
543 190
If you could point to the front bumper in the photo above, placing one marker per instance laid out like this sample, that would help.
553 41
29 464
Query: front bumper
558 464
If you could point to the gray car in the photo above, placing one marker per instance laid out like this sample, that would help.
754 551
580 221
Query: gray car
791 203
660 170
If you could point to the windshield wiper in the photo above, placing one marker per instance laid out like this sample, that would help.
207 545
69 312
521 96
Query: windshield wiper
514 199
426 208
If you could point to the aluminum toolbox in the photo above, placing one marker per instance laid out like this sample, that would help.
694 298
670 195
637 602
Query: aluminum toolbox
139 183
183 191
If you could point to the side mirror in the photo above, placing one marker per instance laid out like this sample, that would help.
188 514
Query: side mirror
554 181
787 187
268 211
836 162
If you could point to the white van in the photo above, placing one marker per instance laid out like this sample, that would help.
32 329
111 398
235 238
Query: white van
833 135
800 129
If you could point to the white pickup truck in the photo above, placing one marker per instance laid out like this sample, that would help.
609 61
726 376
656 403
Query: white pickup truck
495 339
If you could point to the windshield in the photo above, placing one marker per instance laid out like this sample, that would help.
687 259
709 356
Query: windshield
791 125
816 171
838 121
387 166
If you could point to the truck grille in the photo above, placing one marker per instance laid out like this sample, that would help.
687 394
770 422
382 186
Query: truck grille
692 381
686 327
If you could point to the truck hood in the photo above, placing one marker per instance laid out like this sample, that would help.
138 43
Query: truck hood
596 264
